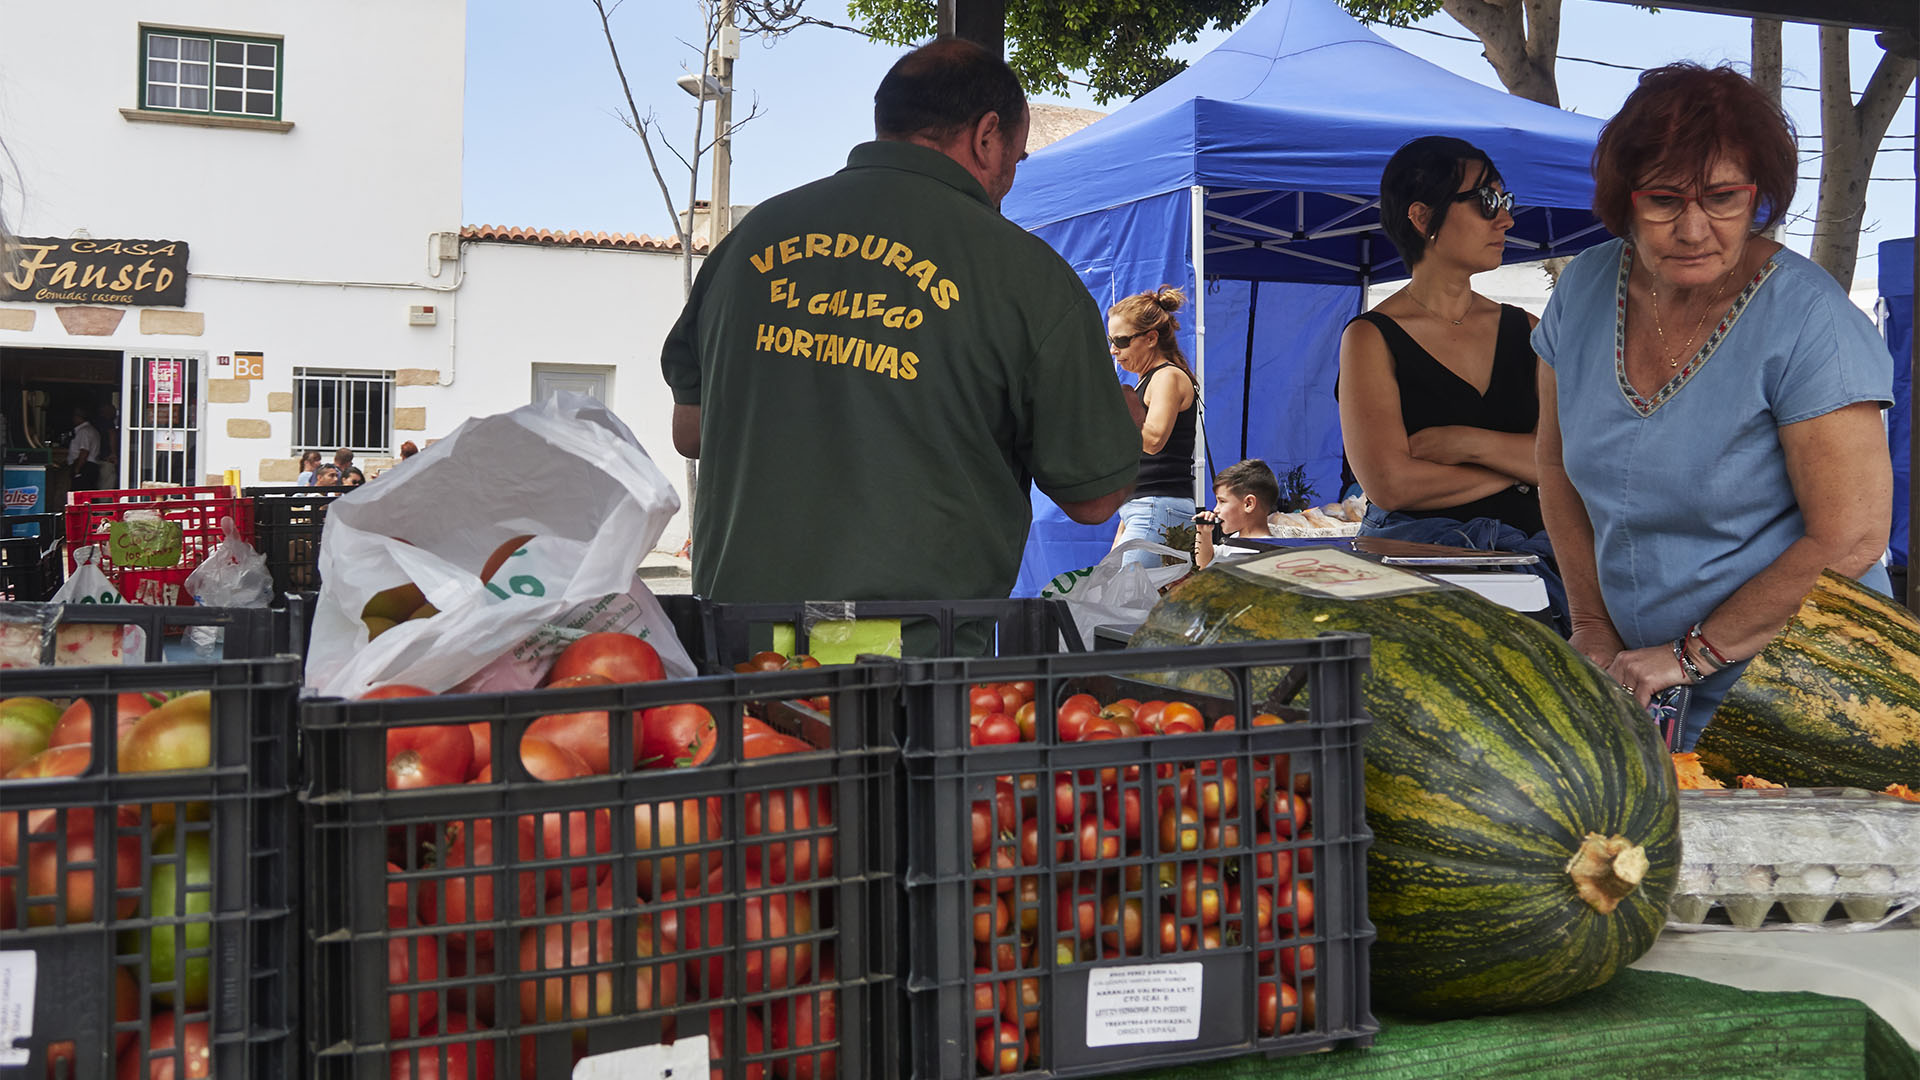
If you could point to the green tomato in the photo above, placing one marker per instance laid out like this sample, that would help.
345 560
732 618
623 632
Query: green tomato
167 900
26 723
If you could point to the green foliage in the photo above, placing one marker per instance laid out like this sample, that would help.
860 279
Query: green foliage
1296 492
1121 45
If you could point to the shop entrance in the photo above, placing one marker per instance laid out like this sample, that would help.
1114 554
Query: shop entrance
39 391
163 394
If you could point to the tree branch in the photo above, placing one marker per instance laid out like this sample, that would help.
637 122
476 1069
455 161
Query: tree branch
1886 88
637 126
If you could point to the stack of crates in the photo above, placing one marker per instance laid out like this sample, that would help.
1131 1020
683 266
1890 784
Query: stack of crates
149 916
198 511
31 564
287 522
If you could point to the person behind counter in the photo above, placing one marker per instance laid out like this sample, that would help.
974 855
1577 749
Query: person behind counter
1244 495
885 450
83 451
1140 336
1437 396
1710 432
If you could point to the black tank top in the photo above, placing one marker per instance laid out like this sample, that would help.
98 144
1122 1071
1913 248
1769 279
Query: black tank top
1433 396
1169 472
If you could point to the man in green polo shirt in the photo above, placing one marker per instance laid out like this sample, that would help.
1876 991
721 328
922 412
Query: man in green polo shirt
872 367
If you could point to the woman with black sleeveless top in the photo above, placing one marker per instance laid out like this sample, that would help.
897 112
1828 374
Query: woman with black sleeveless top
1437 384
1140 334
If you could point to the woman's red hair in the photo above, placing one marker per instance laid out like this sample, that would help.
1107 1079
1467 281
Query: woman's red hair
1676 123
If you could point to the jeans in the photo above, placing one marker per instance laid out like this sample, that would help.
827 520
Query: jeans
1480 534
1147 518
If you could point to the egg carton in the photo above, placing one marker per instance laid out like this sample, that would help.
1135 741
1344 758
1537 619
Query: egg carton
1821 858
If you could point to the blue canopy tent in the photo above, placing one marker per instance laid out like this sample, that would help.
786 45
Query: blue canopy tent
1256 171
1896 321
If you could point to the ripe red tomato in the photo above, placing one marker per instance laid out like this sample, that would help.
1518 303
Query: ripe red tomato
482 733
55 761
58 892
1295 960
996 729
1178 717
1121 927
1074 714
983 700
814 1022
773 918
1279 1008
414 959
671 736
755 1041
395 690
1176 936
789 810
1024 717
75 726
582 734
1123 811
991 916
463 1058
1200 891
1079 913
1002 1049
664 828
1180 829
621 658
1289 812
428 756
1147 715
1300 916
762 661
161 1063
581 942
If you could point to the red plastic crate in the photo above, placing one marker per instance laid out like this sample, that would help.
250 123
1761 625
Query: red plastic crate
198 510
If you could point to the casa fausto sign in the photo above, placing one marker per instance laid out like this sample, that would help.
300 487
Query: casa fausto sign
45 270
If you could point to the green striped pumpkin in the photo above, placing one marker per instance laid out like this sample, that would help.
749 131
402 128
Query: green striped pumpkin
1523 809
1833 701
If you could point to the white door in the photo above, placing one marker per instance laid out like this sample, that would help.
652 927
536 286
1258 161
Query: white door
594 381
160 414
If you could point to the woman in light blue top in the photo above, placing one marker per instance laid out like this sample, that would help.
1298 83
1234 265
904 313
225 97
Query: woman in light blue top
1710 436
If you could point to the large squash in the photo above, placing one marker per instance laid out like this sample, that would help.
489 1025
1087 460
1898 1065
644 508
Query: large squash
1523 809
1833 701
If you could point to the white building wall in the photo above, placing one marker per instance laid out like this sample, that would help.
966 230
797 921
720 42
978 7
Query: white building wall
524 305
286 229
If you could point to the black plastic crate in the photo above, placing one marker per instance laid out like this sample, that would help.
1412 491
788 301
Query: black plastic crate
287 522
148 895
731 633
32 567
679 941
245 633
1205 891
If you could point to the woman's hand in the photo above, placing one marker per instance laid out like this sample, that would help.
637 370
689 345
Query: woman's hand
1596 641
1448 444
1645 672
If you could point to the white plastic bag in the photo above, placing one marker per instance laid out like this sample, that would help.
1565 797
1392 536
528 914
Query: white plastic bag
1109 594
232 575
94 643
565 471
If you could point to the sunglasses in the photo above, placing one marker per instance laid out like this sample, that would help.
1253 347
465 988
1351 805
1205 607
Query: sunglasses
1491 201
1658 205
1121 341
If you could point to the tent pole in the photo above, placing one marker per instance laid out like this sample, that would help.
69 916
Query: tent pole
1199 231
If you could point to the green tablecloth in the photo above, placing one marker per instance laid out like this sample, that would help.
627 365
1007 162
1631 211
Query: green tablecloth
1642 1024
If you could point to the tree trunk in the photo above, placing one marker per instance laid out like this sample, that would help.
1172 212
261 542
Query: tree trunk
1766 71
1520 39
1850 135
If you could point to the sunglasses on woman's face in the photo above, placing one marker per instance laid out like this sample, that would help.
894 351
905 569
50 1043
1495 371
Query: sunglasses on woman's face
1121 341
1491 201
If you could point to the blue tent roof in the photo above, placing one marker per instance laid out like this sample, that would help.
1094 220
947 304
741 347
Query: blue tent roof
1289 123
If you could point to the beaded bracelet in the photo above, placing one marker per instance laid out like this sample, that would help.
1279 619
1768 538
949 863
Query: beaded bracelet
1698 633
1686 662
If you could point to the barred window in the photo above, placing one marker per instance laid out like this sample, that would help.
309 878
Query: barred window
217 74
337 409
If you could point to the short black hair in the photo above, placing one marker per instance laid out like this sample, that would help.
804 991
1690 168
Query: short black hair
944 87
1427 170
1250 477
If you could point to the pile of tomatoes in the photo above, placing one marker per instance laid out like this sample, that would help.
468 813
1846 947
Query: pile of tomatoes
561 913
1138 859
53 859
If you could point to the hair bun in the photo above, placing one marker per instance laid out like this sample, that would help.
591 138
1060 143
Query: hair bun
1169 298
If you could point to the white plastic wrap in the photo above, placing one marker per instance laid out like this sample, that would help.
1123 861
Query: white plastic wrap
1826 858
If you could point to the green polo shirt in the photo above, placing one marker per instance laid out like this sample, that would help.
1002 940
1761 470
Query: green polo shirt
883 363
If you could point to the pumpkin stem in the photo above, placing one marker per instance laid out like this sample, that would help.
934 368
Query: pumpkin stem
1606 870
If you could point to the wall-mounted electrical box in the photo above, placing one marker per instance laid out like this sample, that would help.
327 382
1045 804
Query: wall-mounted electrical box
446 246
422 315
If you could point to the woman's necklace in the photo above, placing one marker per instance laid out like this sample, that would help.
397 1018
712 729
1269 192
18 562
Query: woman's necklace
1673 360
1437 315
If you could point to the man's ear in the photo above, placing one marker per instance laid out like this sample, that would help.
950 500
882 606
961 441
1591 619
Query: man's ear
1419 215
986 133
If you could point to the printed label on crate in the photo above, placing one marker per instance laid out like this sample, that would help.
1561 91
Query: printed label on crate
18 971
1335 574
1145 1003
685 1058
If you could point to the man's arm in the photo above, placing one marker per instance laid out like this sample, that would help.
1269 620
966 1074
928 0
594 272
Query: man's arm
686 430
1099 509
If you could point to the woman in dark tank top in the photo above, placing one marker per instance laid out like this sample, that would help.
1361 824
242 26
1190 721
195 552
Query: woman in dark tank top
1437 384
1141 333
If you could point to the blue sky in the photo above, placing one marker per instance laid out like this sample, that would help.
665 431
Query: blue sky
543 148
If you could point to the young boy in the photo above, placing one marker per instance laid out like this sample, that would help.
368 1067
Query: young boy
1243 497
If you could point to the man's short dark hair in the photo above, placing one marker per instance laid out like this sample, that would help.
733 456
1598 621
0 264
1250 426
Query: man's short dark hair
943 88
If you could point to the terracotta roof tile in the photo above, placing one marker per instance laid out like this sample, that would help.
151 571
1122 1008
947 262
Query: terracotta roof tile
515 234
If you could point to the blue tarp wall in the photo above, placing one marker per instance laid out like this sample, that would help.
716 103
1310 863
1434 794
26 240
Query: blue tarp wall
1896 292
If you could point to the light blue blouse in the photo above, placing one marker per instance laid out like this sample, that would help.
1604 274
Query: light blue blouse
1688 490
